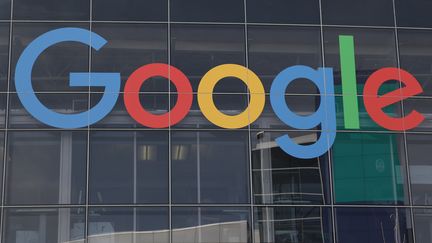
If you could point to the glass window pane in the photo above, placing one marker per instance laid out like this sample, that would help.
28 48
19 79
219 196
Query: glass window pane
62 103
422 224
128 167
352 12
272 49
284 12
51 70
4 54
216 224
358 225
419 147
46 167
44 225
374 49
129 47
369 168
279 178
132 10
198 48
207 10
210 167
128 225
413 13
416 56
51 9
5 9
293 224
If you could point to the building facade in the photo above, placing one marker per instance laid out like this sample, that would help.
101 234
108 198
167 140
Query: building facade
117 181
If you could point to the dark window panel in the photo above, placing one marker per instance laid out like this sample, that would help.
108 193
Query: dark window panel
5 9
215 224
369 168
374 49
46 168
422 224
129 47
51 70
130 10
44 225
413 13
128 167
363 13
279 178
419 147
416 56
66 103
284 12
207 10
120 224
272 49
293 224
210 167
4 54
119 117
52 9
357 225
195 49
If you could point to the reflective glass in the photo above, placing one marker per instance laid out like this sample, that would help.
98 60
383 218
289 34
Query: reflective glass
210 167
369 168
279 178
46 167
413 13
44 225
52 9
5 9
422 224
195 49
416 56
62 103
207 10
128 225
293 224
211 225
4 54
419 147
129 47
285 12
128 167
130 10
363 13
51 70
273 48
359 225
374 49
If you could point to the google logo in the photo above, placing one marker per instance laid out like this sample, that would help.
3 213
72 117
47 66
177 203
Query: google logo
324 116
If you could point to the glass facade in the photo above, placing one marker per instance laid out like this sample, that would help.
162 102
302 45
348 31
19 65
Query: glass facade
117 181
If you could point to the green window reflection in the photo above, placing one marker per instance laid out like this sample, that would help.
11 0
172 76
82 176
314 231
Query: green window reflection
368 168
